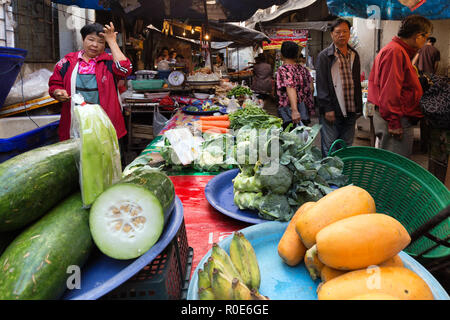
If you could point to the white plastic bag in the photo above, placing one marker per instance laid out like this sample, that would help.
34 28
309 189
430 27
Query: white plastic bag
35 85
159 122
99 163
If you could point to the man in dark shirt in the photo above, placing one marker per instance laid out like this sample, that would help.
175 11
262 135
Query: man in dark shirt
427 59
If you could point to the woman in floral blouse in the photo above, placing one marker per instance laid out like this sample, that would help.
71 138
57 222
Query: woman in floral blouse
293 87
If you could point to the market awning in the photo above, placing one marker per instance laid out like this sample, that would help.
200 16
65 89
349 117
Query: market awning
390 10
217 32
88 4
272 13
220 10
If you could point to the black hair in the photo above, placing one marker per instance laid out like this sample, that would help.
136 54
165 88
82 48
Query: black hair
413 25
432 39
91 28
220 55
289 50
261 58
339 22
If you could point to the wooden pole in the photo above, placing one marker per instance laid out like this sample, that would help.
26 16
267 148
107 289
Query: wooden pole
124 36
206 32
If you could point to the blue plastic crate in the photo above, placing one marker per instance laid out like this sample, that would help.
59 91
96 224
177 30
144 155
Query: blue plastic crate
46 134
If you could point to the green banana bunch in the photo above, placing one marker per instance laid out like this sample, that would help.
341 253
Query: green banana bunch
240 290
223 262
244 259
221 285
206 294
234 276
257 296
203 279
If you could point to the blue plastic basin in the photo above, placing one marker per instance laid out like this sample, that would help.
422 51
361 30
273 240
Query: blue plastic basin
9 69
13 51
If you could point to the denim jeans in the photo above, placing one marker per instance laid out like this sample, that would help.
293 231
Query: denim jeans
285 113
343 128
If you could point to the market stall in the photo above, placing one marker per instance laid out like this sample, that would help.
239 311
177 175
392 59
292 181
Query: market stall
221 204
212 213
201 183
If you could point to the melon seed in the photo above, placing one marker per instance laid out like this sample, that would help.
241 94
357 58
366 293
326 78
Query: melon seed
118 225
127 228
125 208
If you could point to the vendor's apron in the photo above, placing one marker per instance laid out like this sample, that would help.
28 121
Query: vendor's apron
85 85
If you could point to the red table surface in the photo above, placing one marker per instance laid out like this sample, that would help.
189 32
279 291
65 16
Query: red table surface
204 224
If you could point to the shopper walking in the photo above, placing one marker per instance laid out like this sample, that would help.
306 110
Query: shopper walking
292 87
338 86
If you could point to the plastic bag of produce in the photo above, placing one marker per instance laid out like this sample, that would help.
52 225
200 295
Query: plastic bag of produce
99 163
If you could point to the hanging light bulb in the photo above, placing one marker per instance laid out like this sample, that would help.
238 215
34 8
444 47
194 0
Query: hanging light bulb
206 37
184 32
192 30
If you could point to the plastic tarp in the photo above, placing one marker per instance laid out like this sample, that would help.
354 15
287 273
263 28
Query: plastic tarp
238 33
225 10
388 10
270 14
88 4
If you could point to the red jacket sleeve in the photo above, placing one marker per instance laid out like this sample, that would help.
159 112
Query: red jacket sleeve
122 69
56 80
391 78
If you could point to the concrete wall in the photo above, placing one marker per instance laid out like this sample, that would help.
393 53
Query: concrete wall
368 41
71 20
6 26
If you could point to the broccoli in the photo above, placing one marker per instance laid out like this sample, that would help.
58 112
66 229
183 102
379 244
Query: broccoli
247 200
275 177
247 183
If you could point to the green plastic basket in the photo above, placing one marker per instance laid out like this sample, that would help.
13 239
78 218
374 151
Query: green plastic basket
402 189
149 84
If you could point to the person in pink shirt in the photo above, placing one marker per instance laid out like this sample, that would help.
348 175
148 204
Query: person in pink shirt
394 86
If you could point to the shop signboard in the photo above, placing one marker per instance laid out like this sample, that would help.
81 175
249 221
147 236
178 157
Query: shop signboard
278 36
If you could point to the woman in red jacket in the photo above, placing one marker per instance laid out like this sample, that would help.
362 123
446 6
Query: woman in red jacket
93 73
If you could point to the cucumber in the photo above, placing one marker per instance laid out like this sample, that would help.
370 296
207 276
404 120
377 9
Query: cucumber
5 239
35 181
35 265
128 218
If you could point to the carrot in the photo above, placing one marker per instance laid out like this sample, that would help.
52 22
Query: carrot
214 129
215 118
222 124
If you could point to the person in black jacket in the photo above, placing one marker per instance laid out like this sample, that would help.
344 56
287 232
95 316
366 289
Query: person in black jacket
338 85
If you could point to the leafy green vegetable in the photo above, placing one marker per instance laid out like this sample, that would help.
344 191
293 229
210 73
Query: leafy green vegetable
254 117
239 91
275 177
275 207
299 172
245 183
247 200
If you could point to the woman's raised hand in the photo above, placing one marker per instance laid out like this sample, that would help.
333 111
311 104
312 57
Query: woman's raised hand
108 33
